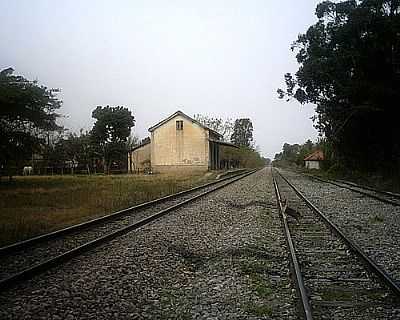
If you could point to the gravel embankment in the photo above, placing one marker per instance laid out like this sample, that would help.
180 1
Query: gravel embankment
221 257
374 225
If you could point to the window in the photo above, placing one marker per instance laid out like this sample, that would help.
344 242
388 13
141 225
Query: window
179 125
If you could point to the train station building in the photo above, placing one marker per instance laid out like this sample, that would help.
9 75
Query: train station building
181 143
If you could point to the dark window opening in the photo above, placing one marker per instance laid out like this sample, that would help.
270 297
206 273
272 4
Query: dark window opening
179 125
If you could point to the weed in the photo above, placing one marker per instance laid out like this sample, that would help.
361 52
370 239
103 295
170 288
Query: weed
263 291
259 310
376 219
337 295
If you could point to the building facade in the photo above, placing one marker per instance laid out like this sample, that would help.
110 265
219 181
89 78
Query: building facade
313 161
179 143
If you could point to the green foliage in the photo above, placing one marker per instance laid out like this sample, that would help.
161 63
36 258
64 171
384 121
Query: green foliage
247 157
28 115
242 133
350 69
113 124
111 131
76 151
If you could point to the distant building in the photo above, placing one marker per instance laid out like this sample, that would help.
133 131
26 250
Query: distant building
313 161
178 143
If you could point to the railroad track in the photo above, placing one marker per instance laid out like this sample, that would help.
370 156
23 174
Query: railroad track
25 259
334 277
380 195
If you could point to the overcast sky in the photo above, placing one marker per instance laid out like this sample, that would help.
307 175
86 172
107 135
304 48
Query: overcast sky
217 58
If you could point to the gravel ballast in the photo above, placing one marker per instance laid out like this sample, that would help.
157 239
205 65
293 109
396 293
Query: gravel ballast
222 257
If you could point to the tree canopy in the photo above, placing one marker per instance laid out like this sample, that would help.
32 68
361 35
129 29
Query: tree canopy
350 69
28 113
113 124
110 132
243 133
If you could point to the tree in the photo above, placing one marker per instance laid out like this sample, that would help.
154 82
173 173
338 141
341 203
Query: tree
111 131
350 69
222 126
75 151
246 157
28 114
242 133
290 152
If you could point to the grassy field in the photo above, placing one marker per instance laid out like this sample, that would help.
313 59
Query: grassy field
30 206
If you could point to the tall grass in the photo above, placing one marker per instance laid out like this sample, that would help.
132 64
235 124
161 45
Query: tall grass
30 206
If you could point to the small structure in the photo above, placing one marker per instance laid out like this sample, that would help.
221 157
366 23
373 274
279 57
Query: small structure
313 161
180 143
139 158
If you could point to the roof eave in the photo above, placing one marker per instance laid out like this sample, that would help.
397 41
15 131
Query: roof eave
224 143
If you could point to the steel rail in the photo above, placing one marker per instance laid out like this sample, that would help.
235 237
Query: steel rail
77 227
305 303
394 203
371 264
384 192
62 258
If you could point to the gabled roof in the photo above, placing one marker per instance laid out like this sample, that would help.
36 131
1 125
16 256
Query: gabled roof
317 155
180 113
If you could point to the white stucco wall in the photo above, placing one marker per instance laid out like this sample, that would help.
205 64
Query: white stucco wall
312 164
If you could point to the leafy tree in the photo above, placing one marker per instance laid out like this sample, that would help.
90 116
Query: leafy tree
242 133
307 148
222 126
28 114
290 152
76 151
350 69
111 131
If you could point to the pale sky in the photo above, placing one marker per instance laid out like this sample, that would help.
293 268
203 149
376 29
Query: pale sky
218 58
